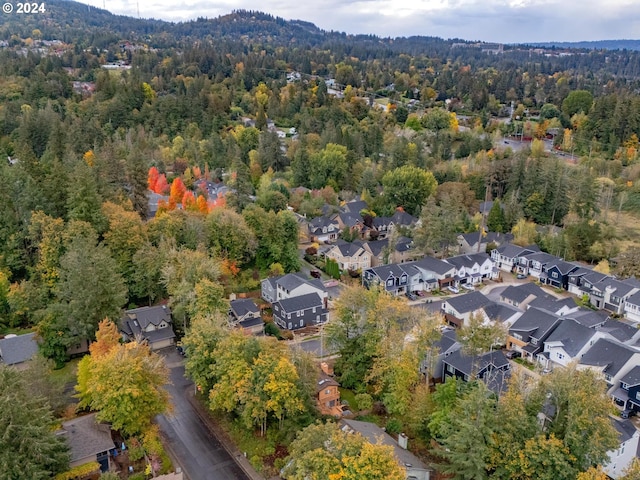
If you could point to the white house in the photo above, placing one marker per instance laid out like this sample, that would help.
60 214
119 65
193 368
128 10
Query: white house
291 285
621 457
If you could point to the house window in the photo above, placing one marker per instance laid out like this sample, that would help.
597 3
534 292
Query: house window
317 318
302 322
314 309
327 392
290 325
450 368
625 386
638 395
466 378
298 313
554 274
607 377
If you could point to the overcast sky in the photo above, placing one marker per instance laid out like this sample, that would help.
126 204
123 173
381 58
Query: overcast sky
506 21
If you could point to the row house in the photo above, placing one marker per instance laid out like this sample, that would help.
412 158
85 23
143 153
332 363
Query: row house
360 255
426 274
291 285
528 333
458 310
507 257
569 341
472 269
323 229
556 273
299 312
532 264
614 362
611 294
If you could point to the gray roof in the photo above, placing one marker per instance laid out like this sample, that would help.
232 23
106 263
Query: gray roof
349 219
86 437
499 238
468 260
541 257
242 306
251 322
625 428
594 277
484 207
589 318
499 312
434 265
18 349
572 335
349 249
622 332
510 250
552 304
318 223
469 302
448 339
355 207
400 217
377 246
519 293
535 322
634 299
633 377
374 434
608 354
301 302
291 281
404 244
150 315
563 267
619 288
580 272
468 364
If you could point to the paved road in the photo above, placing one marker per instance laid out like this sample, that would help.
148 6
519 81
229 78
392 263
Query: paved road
199 454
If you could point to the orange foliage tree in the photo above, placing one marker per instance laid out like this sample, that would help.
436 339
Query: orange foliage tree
188 201
201 203
152 178
177 192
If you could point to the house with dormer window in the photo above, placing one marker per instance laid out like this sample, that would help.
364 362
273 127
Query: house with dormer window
507 257
611 294
528 333
569 341
556 273
291 285
323 229
150 325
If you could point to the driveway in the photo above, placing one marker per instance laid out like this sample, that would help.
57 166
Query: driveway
189 441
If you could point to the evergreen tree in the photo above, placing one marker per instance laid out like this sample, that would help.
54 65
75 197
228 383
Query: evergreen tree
495 218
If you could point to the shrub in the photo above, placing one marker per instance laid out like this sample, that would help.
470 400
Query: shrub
79 471
393 425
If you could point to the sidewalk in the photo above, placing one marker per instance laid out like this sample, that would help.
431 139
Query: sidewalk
224 439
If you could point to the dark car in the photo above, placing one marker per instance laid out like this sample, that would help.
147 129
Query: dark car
511 354
627 413
315 274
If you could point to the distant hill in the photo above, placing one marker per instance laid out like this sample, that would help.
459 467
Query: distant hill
594 45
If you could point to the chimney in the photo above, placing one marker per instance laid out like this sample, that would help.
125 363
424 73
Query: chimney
403 440
232 297
326 369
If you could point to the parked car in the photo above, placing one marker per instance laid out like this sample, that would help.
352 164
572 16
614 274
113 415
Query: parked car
453 289
628 413
468 286
511 354
521 276
411 296
315 273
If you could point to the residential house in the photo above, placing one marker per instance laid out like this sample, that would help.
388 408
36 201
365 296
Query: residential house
575 285
300 311
533 263
433 270
416 470
457 310
521 295
324 229
528 333
379 252
621 332
588 280
291 285
556 273
497 312
432 366
613 361
395 279
629 387
355 207
589 318
245 314
632 307
475 243
492 367
507 257
569 341
350 256
150 325
385 225
557 306
16 350
328 396
88 440
621 458
471 269
611 294
402 251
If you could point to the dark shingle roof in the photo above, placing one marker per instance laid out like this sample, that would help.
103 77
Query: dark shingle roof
150 315
519 293
468 364
349 219
499 312
355 207
608 354
434 265
534 322
318 223
552 304
250 322
589 318
563 267
469 302
400 217
541 257
572 335
291 281
301 302
448 339
634 299
618 330
348 249
86 437
18 349
242 306
633 377
377 246
625 428
510 250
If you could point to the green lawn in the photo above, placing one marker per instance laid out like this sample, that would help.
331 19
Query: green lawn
349 396
67 373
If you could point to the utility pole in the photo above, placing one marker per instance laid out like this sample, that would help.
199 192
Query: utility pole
482 222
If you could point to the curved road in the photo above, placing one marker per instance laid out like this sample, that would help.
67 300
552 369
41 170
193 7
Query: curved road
199 454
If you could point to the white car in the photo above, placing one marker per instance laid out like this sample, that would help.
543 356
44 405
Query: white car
453 289
469 287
